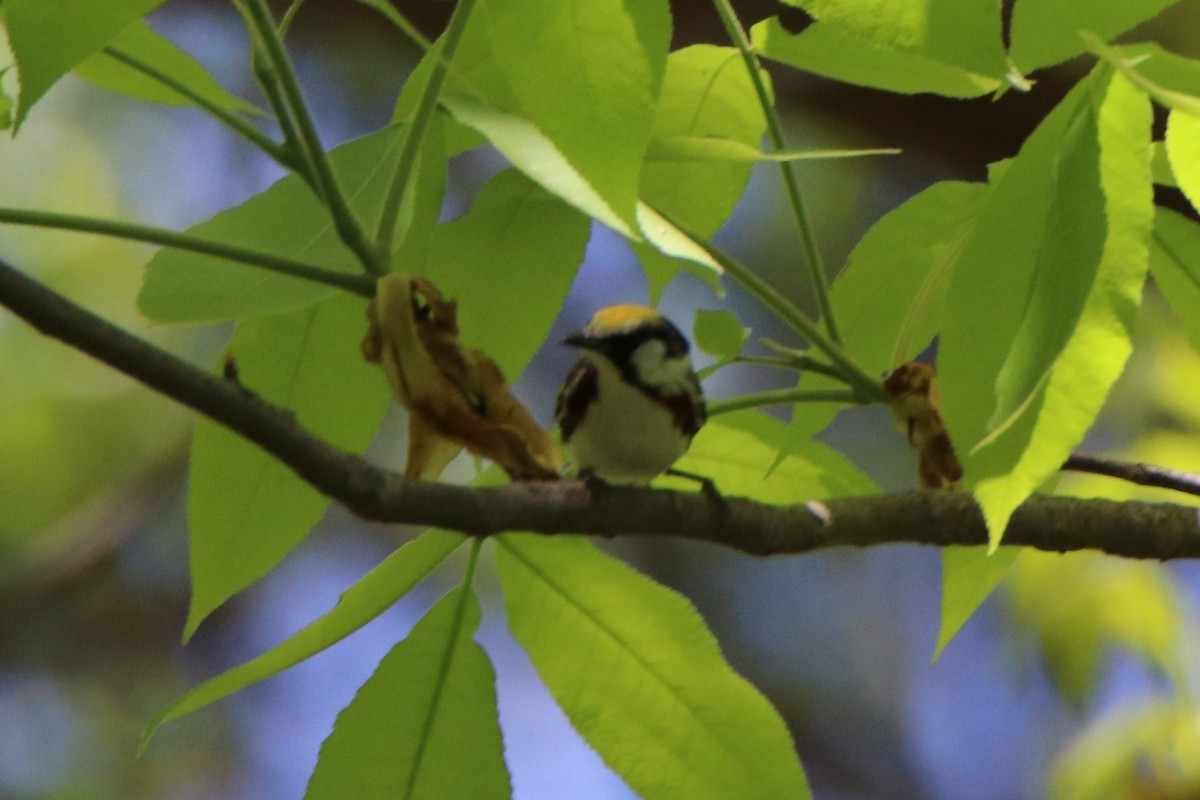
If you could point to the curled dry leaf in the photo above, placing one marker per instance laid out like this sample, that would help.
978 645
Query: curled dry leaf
917 407
456 396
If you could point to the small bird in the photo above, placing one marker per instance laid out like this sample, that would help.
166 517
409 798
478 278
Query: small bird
631 405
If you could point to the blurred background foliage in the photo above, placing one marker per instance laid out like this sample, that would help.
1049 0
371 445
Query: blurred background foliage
1077 680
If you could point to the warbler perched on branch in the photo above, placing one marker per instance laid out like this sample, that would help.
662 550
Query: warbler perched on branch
631 405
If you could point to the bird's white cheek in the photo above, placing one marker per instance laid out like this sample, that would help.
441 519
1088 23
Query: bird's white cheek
655 369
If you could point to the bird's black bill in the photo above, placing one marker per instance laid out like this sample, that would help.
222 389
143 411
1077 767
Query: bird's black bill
580 339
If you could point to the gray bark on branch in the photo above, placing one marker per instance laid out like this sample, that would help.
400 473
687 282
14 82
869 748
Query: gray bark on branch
937 518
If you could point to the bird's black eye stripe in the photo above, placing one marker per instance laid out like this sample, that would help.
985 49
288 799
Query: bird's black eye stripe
676 345
620 348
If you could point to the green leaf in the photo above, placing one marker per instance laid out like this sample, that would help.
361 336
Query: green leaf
141 42
888 301
719 333
536 156
969 574
1046 33
668 241
840 53
1169 79
474 73
641 678
736 449
51 37
1175 263
519 247
532 152
965 33
991 280
1064 271
286 220
422 205
358 605
246 510
606 56
424 725
1094 356
1183 150
707 94
1080 604
1173 73
703 148
6 106
1160 166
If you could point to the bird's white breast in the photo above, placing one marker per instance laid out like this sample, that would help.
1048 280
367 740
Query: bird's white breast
625 437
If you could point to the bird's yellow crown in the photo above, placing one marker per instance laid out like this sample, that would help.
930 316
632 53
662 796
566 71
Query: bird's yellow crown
621 318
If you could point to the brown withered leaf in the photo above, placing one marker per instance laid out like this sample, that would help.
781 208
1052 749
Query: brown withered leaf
917 407
456 396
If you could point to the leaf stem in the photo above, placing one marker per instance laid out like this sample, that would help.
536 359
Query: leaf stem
787 311
414 132
232 121
358 284
349 229
737 35
393 15
785 397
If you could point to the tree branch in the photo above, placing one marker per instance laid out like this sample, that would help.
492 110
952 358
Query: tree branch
1135 472
1132 529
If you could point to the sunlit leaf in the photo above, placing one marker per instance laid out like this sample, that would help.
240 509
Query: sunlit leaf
530 243
424 725
141 42
641 678
1169 79
536 155
908 67
358 605
51 37
1095 354
1183 150
246 510
285 220
1064 272
606 56
888 301
1047 33
671 243
992 277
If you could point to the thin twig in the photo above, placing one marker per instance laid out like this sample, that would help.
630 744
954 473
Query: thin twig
737 35
1135 472
358 284
787 312
348 227
939 518
414 132
232 121
781 397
